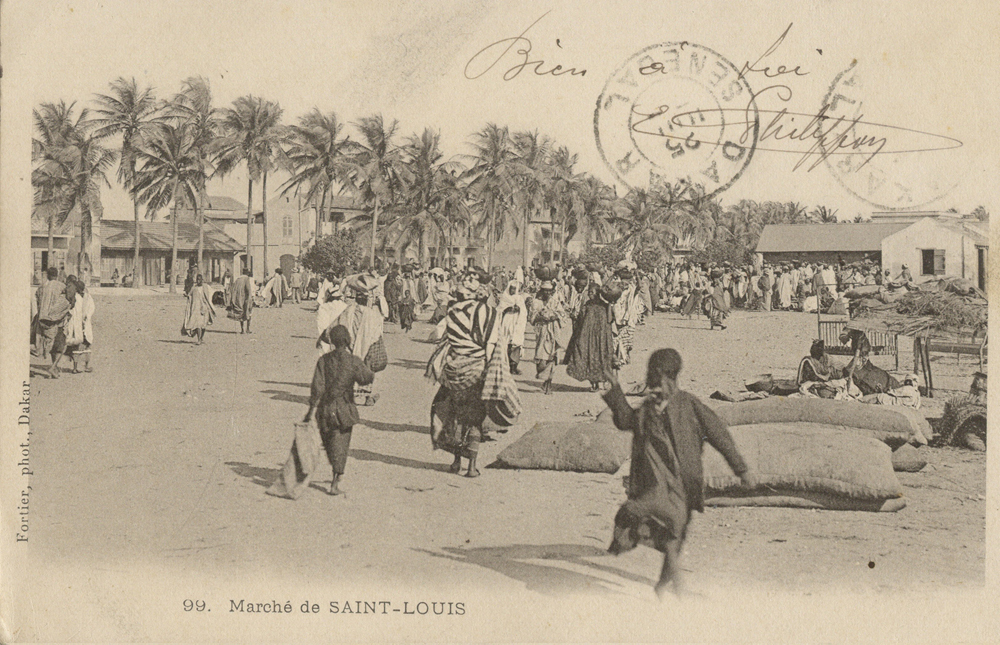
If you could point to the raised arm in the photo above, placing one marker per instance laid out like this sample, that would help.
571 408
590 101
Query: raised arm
318 387
717 434
624 415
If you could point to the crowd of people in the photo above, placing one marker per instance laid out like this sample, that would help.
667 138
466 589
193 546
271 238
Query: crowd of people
62 316
584 316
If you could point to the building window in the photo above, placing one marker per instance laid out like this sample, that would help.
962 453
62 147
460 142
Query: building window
287 227
932 262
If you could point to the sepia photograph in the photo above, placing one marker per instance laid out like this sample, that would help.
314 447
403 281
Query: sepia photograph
468 321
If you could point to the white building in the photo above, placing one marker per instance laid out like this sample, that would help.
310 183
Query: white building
934 247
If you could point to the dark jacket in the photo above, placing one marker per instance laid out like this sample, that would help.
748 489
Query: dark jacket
690 423
333 387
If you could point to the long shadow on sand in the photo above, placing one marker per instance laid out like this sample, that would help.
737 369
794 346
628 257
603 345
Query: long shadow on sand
367 455
409 364
219 331
279 395
260 476
305 385
395 427
511 561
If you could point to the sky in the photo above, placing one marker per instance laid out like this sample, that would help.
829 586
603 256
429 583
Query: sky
919 70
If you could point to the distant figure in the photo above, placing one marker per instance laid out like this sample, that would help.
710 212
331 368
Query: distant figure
200 312
332 398
548 315
591 351
53 308
295 285
80 329
326 316
114 277
275 289
189 280
665 480
405 308
241 300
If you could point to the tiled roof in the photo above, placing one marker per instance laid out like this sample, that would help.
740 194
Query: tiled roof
120 234
801 238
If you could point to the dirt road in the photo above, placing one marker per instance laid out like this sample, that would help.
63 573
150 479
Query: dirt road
159 461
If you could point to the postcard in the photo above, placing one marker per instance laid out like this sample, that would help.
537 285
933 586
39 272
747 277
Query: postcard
497 321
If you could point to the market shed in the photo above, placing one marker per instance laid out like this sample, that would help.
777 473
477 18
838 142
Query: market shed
155 248
825 243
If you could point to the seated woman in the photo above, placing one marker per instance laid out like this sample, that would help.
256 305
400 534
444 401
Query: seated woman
817 367
869 378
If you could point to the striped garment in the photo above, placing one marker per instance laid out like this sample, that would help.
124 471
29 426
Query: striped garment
471 325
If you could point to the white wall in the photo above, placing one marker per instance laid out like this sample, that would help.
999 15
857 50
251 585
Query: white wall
905 247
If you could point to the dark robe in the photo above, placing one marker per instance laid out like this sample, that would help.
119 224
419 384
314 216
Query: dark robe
332 395
591 350
666 479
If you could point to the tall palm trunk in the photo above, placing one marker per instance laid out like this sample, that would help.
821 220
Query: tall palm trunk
135 257
319 213
263 202
489 233
249 222
86 238
52 240
199 216
524 240
173 245
562 242
374 231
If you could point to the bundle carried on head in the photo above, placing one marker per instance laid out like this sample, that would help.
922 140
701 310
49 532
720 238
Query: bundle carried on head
545 273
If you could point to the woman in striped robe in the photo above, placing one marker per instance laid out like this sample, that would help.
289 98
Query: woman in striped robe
459 365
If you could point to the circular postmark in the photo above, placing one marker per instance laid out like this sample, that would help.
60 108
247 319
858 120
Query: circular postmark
677 112
891 167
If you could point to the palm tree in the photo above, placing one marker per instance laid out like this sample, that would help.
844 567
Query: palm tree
597 204
451 199
250 135
318 157
379 172
130 111
72 163
796 213
192 109
415 216
56 129
533 176
170 170
492 181
824 215
564 193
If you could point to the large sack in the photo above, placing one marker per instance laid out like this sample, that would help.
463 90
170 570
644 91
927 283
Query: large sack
907 459
806 466
587 446
894 425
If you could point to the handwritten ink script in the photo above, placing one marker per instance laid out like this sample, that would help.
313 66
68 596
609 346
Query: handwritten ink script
814 136
516 50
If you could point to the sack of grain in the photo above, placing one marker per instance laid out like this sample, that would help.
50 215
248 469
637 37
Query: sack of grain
894 425
907 459
807 466
587 446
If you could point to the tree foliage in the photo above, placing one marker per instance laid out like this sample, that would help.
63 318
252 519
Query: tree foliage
336 255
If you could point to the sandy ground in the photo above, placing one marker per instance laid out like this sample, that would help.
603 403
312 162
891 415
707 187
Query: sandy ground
161 457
